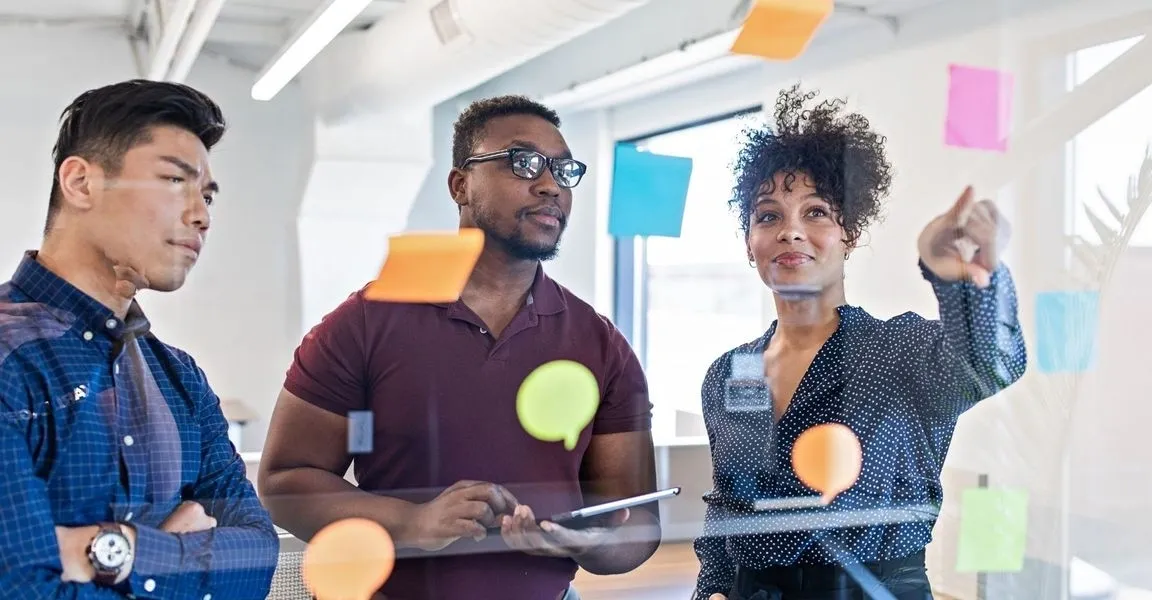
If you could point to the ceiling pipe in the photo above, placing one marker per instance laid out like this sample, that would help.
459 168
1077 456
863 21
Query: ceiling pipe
198 29
171 32
428 51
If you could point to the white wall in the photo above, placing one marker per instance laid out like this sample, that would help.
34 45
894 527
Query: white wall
239 314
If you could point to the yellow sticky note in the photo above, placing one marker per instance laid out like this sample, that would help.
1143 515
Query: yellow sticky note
427 267
781 29
557 401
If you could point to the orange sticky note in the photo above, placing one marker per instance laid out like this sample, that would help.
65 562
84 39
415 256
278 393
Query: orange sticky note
427 267
348 560
828 459
781 29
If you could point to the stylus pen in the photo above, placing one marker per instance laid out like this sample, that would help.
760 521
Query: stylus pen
616 505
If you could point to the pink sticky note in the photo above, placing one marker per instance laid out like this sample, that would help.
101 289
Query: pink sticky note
979 108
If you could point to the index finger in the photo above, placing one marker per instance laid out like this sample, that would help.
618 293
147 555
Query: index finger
963 206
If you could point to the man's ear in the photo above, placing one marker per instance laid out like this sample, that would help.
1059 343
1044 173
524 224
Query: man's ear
78 179
458 186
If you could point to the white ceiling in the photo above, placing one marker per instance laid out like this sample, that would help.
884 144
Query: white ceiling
248 32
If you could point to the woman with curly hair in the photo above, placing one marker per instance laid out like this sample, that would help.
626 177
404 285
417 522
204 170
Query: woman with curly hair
807 187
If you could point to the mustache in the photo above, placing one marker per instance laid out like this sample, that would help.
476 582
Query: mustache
547 210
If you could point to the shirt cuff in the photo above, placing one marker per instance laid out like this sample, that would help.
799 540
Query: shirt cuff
156 565
937 282
627 424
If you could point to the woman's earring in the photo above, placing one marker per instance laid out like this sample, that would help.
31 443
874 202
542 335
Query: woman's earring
845 256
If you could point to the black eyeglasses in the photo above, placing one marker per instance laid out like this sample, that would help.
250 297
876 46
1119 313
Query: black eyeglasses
529 164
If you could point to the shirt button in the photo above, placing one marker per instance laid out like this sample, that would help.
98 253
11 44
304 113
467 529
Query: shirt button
150 585
110 323
128 517
87 336
207 596
116 369
128 441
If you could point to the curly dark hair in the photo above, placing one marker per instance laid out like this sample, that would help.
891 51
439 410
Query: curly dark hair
843 156
470 124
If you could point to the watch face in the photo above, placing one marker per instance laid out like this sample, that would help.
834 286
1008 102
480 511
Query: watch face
110 550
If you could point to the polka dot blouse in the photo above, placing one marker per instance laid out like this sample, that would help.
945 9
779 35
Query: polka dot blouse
900 385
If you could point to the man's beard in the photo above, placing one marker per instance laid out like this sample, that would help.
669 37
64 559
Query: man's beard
514 244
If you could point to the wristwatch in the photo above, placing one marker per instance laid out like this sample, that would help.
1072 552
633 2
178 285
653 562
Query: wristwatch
109 552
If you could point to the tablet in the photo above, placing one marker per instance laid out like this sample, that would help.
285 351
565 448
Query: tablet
586 517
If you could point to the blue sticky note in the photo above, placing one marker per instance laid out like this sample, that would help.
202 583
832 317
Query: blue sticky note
648 193
360 429
1066 324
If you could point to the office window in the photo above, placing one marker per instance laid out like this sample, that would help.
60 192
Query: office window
687 300
1107 153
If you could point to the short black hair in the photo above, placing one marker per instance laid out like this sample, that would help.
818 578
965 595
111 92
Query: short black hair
103 124
839 151
470 124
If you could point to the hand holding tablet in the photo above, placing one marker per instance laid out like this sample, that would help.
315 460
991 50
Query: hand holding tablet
570 534
599 514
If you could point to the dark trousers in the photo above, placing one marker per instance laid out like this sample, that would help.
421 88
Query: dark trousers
905 578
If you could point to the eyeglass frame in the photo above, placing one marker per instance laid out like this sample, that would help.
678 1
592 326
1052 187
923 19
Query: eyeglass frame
548 162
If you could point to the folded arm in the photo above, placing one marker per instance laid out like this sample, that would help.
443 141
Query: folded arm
30 560
235 559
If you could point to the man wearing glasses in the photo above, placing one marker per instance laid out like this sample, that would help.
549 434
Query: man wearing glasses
450 462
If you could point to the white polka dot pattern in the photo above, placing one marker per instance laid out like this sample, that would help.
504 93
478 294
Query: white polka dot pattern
900 385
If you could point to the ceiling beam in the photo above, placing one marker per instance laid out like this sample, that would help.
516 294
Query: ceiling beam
199 26
172 29
244 33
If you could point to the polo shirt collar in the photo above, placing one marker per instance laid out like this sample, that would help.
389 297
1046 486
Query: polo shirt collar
47 288
544 295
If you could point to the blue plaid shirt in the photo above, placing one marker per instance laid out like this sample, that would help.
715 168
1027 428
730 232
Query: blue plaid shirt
100 421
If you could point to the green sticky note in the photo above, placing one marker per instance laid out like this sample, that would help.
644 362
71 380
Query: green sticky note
993 531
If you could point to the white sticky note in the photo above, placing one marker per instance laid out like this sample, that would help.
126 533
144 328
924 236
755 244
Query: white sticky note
360 428
747 366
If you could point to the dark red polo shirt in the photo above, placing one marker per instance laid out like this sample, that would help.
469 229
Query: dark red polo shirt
443 395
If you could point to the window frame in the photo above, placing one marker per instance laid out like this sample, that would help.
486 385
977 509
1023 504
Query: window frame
630 255
1051 61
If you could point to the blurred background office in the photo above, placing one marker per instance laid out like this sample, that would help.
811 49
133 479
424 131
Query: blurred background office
327 156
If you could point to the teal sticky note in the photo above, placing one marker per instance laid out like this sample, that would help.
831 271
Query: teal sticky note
1066 331
993 531
648 193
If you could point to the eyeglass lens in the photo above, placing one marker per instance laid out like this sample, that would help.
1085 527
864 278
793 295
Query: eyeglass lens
529 164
